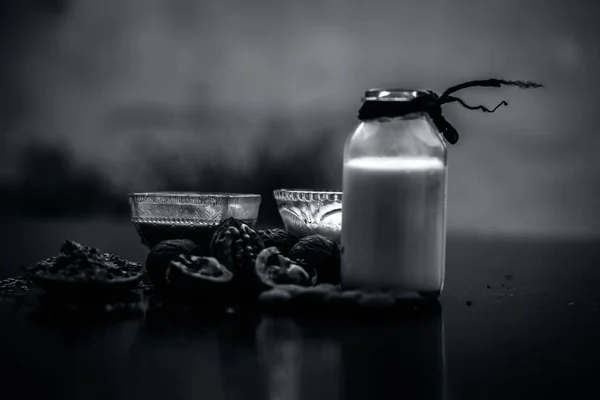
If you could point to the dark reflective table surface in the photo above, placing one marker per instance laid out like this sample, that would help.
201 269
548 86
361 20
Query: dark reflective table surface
519 318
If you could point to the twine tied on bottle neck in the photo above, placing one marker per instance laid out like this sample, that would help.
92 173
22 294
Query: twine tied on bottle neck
431 103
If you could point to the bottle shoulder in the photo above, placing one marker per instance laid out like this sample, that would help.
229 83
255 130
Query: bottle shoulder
399 137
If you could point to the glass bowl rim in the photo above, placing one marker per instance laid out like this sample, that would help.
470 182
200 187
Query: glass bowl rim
192 194
284 195
277 191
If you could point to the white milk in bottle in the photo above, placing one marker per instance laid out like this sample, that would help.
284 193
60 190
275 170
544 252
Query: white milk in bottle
394 204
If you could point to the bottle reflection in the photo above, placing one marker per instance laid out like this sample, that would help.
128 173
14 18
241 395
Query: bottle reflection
356 357
297 363
283 358
403 355
279 344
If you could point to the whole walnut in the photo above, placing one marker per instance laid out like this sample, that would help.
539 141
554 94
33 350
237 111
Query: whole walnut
278 238
161 255
236 246
320 254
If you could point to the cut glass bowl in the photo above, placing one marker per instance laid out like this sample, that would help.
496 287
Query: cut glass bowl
309 212
160 216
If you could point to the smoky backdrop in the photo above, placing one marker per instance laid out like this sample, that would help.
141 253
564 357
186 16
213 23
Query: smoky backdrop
102 98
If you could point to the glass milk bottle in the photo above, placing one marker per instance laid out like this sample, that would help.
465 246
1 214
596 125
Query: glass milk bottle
394 200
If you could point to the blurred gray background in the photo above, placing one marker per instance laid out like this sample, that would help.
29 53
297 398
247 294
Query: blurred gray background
101 98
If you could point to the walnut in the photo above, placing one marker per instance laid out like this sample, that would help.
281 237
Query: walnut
236 246
278 238
273 268
202 276
318 255
161 255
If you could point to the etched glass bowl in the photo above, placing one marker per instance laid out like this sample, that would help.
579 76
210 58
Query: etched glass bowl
160 216
309 212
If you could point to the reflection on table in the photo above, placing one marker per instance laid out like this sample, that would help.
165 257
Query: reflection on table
201 355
